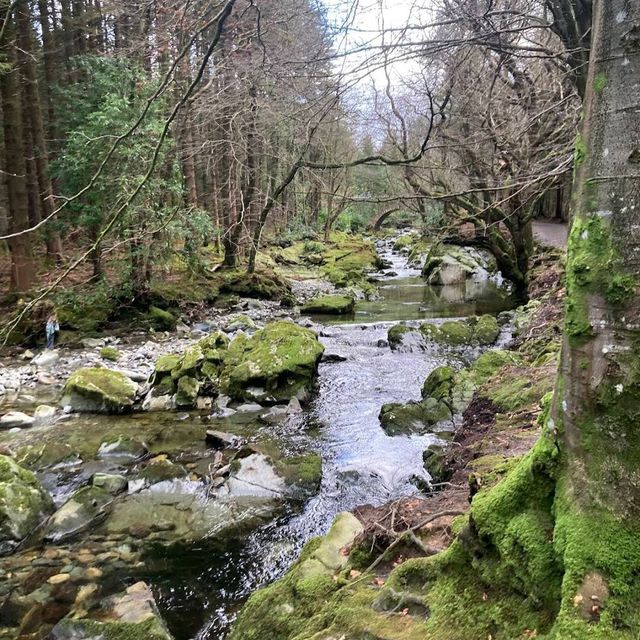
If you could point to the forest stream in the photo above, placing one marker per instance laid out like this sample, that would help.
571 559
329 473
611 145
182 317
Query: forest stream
200 584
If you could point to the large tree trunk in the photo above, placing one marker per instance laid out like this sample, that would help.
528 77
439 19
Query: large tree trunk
43 187
600 370
23 269
578 492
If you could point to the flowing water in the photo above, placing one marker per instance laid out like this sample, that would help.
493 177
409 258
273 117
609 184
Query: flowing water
200 589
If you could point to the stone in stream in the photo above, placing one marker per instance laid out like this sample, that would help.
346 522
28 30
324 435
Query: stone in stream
331 305
452 264
16 419
97 390
121 447
221 440
132 615
272 365
46 359
85 507
286 601
23 503
111 483
44 414
92 343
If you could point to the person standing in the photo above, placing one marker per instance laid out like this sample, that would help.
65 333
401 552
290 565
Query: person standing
51 329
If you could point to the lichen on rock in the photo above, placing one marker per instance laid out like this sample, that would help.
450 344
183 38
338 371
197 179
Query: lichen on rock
97 390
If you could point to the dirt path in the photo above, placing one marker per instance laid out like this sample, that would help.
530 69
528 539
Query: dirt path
553 234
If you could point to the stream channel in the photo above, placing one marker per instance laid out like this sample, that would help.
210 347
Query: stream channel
200 586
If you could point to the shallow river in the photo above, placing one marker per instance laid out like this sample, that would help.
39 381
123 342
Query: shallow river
200 589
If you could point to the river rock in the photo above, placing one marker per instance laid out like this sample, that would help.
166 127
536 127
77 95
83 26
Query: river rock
453 264
92 343
239 323
158 403
132 615
255 475
44 414
249 407
274 415
330 305
123 447
282 357
483 330
85 507
111 483
220 440
46 359
23 503
97 390
16 419
413 417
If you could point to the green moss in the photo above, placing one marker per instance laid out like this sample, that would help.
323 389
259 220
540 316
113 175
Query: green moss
439 383
472 331
149 629
282 358
580 153
110 391
333 305
110 353
594 267
187 391
599 82
516 391
161 319
413 417
303 472
486 330
396 333
266 285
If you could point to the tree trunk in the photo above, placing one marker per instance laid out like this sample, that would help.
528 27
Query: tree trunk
577 492
23 269
44 189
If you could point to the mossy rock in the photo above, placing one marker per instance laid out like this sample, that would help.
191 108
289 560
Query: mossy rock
396 334
161 319
266 285
439 383
187 391
110 353
283 609
282 358
434 458
483 330
413 417
330 305
486 330
96 390
132 615
302 473
454 333
23 503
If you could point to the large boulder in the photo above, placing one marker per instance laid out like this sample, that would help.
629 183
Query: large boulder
472 331
284 608
330 305
23 503
282 359
95 390
453 264
273 364
132 615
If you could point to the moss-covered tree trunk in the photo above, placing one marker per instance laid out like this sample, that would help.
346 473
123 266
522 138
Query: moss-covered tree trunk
597 403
